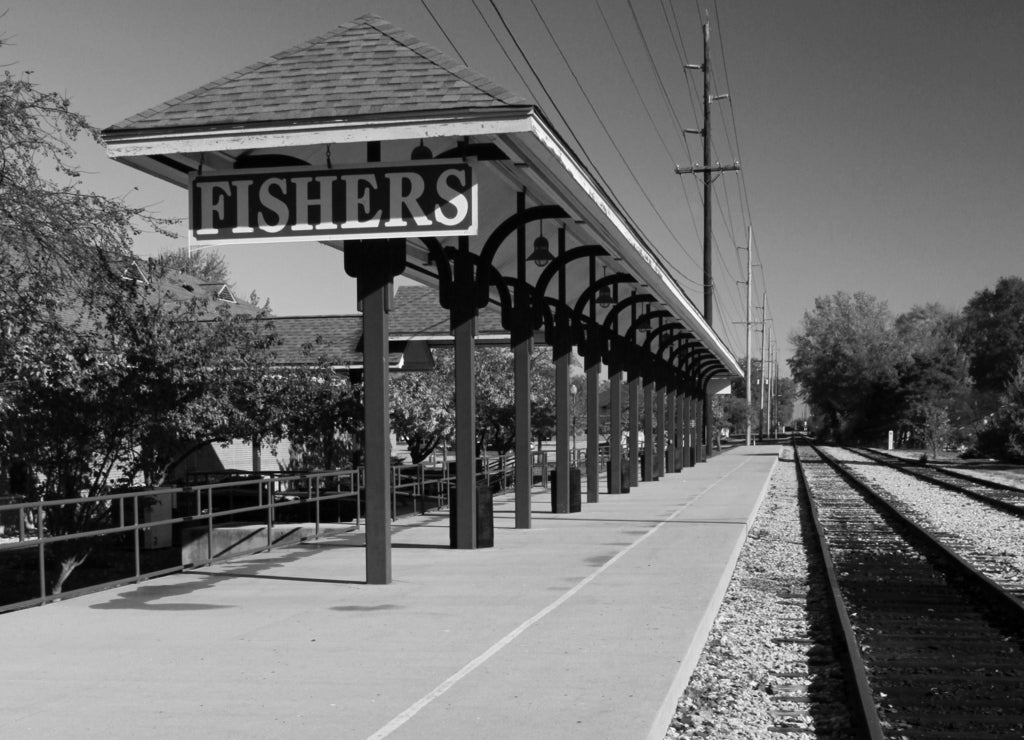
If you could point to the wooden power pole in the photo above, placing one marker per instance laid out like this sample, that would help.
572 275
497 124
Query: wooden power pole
750 238
709 172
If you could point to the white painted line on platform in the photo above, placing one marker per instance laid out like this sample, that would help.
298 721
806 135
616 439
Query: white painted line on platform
448 683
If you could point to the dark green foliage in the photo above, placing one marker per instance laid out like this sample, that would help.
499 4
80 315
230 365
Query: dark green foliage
847 363
993 334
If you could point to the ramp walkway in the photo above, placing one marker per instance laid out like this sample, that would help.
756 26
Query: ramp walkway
586 626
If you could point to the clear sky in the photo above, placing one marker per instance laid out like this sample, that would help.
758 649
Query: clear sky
880 141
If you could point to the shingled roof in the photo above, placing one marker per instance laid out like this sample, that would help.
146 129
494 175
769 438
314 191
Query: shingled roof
366 68
417 313
336 341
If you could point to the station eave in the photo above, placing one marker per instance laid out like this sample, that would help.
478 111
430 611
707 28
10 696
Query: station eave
442 123
171 140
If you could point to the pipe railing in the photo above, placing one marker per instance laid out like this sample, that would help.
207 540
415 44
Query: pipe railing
164 519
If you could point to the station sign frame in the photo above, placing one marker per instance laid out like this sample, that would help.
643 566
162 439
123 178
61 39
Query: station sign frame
385 200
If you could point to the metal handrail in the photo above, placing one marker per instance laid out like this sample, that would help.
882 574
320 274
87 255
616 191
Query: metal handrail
131 513
272 495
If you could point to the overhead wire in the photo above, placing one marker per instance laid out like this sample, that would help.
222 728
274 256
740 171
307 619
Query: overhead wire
444 32
742 184
680 128
611 139
650 116
673 24
568 130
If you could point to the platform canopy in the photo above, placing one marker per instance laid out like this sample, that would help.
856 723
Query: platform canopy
370 92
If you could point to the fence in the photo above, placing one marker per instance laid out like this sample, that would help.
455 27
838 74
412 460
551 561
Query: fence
135 535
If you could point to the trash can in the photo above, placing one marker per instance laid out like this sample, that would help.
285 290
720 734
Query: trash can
575 498
484 516
623 474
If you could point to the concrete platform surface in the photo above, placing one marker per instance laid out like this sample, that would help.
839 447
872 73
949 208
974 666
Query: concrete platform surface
586 626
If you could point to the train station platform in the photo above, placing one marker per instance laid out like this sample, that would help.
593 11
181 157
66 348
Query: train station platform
585 626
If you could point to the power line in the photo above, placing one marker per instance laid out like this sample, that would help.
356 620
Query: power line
611 139
565 122
444 33
650 117
568 130
657 73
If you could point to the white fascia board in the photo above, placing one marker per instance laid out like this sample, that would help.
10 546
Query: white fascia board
136 143
583 180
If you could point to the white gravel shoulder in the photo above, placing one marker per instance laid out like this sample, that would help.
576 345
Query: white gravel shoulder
977 526
758 650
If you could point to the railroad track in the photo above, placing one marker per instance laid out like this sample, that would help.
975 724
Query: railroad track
997 495
987 533
936 649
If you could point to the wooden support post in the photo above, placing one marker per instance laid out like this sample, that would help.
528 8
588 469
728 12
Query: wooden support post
524 453
615 428
560 495
633 389
374 264
699 433
671 442
688 430
649 443
709 424
680 430
462 526
521 347
561 499
659 417
593 419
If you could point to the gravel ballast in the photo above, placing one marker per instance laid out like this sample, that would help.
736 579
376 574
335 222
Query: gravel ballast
966 525
768 662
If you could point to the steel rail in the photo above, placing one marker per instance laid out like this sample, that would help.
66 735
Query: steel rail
997 596
914 468
860 697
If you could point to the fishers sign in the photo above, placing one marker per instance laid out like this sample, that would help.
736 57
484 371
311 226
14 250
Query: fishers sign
372 201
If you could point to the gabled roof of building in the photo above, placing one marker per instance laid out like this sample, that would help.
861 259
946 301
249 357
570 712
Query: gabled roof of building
364 68
418 314
335 341
176 286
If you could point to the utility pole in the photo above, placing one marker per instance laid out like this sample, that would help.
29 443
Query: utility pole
760 401
750 237
768 390
709 172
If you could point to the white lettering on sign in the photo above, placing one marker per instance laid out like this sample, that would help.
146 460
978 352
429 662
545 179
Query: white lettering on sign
374 201
452 196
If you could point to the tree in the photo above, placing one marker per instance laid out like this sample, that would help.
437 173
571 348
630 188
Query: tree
785 398
1001 434
125 389
993 334
207 264
320 413
846 362
423 403
100 374
56 236
1010 416
934 383
495 400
